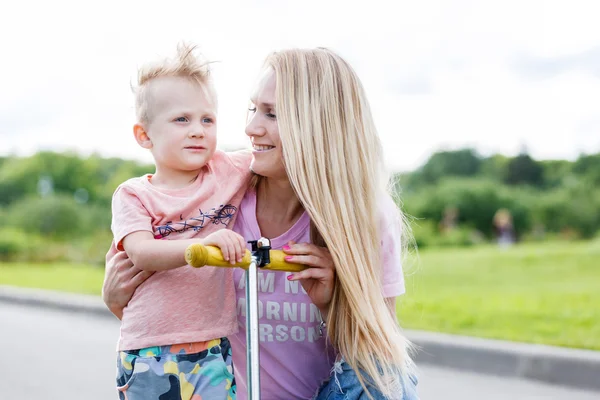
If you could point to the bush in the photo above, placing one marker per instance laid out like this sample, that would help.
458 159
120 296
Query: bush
17 245
568 212
90 249
426 234
572 211
476 201
58 217
13 242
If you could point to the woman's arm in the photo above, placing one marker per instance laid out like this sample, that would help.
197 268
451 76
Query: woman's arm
121 279
391 303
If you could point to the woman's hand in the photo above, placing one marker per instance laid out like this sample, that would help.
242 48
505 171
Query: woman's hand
121 279
319 280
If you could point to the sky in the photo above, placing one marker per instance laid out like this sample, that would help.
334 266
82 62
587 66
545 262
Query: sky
498 76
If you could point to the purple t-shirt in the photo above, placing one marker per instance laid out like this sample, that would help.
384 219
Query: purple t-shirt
294 358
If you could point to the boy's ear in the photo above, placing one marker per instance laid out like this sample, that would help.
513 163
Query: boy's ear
141 136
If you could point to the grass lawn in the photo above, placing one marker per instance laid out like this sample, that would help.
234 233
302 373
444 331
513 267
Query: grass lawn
64 277
542 293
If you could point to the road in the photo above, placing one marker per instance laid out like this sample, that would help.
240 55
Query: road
51 354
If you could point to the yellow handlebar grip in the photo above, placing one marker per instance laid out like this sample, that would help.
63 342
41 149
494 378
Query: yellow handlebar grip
198 255
278 263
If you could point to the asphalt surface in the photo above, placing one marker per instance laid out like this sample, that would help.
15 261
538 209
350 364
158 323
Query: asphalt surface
54 354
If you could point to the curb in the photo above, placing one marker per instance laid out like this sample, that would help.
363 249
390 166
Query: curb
79 303
556 365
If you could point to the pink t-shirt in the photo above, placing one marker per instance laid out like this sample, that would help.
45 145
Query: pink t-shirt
294 359
184 304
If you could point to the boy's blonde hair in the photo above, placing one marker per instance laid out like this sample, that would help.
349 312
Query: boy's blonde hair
188 63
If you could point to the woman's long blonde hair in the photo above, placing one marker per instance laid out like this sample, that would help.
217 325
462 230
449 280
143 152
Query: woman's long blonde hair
334 161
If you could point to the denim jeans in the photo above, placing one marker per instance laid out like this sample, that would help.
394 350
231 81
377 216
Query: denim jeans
344 385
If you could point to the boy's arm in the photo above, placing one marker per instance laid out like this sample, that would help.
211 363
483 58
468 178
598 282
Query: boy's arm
132 230
150 254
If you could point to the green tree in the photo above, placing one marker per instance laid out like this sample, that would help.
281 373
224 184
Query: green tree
476 200
524 170
588 167
495 167
556 172
18 178
464 162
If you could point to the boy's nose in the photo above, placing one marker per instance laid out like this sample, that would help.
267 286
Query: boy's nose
197 133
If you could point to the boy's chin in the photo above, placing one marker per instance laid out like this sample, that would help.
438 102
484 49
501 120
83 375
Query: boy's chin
192 165
197 159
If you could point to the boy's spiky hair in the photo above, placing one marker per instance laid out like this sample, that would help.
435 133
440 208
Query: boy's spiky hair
187 63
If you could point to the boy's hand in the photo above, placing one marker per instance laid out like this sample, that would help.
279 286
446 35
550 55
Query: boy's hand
232 245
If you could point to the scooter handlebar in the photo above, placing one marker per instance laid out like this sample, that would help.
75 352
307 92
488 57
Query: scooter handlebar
198 255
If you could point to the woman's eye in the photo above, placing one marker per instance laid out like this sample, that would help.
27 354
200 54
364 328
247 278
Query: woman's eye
181 119
270 115
252 109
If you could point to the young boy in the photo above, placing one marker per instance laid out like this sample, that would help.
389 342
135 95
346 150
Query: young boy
173 331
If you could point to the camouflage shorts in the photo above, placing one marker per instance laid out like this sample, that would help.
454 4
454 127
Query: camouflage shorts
190 371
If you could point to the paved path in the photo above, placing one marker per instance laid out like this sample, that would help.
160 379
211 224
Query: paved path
53 354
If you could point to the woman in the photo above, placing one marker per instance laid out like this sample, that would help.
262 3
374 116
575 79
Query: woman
320 181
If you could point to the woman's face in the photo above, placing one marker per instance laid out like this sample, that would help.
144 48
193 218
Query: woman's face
263 131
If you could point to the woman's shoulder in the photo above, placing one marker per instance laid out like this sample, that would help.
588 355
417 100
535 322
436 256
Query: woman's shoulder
388 211
391 227
239 160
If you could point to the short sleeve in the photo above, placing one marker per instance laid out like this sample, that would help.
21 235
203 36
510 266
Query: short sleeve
241 160
128 215
391 250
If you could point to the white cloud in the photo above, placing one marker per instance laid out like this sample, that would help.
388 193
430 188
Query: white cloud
439 74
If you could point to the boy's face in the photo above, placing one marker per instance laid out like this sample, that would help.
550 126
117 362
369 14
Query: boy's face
182 124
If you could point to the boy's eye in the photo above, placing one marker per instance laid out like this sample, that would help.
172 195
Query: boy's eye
181 119
207 120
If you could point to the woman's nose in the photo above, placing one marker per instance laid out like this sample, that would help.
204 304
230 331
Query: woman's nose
253 128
